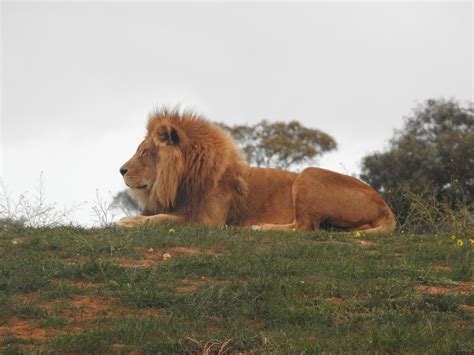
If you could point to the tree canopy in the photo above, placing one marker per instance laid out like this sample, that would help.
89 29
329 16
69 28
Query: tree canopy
126 203
280 144
434 148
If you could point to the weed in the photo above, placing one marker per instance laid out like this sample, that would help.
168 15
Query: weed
32 209
423 212
103 211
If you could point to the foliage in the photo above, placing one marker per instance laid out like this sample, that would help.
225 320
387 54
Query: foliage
435 148
124 201
423 212
280 144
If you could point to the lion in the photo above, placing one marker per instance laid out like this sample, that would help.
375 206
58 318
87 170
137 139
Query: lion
189 171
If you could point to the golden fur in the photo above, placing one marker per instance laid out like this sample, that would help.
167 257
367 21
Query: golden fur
188 171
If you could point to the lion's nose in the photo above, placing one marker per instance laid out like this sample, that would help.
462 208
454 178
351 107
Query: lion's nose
123 171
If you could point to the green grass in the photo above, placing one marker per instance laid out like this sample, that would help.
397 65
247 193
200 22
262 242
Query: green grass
109 290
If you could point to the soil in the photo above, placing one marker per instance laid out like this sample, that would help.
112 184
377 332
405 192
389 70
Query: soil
335 300
194 284
463 288
27 297
24 329
446 268
85 307
150 256
467 307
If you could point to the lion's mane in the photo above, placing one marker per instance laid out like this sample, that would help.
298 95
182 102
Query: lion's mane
196 161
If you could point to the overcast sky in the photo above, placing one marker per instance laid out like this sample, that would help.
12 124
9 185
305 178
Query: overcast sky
79 79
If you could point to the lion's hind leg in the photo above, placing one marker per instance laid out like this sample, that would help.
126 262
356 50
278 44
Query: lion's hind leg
303 221
388 227
362 228
385 224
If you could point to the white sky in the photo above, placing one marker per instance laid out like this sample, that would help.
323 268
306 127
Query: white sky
78 79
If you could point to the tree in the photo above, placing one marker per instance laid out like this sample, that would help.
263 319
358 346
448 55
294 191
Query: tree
280 145
434 148
124 201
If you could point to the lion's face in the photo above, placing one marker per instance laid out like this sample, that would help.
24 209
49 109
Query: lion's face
140 171
155 170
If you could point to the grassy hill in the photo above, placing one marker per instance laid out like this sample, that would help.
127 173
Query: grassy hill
174 289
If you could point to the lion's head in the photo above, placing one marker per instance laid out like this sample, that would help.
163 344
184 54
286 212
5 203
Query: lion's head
140 171
182 157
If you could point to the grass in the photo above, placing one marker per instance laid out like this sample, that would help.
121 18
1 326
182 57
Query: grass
230 290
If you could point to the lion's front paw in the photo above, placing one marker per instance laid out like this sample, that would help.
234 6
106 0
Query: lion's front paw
132 221
257 227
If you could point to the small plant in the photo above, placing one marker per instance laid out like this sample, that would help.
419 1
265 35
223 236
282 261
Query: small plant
32 209
103 211
423 212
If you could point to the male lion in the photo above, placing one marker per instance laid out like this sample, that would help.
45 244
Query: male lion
188 171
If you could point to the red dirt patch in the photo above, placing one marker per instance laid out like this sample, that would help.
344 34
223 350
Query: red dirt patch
27 297
365 242
335 300
175 251
88 284
186 289
133 263
398 254
151 256
463 288
119 349
24 329
87 307
446 268
183 251
255 325
194 284
152 312
467 307
178 251
84 307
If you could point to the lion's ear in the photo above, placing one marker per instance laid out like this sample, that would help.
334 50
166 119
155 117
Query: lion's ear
167 135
